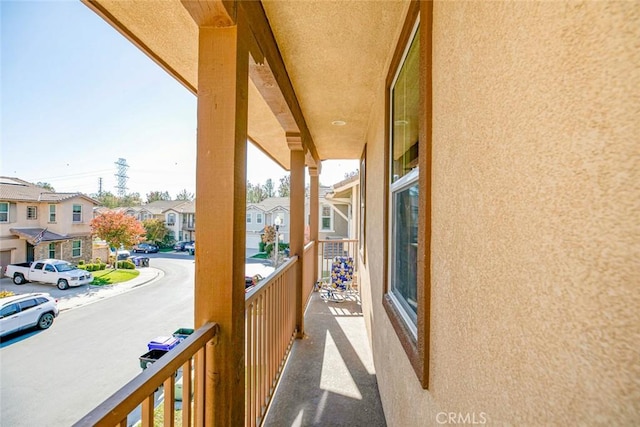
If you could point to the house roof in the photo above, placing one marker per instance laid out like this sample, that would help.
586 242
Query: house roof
31 235
160 206
18 190
271 204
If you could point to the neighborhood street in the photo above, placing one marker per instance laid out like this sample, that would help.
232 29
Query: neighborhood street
54 377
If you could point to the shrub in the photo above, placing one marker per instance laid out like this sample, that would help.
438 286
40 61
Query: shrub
127 265
102 265
81 262
98 260
261 246
4 294
82 267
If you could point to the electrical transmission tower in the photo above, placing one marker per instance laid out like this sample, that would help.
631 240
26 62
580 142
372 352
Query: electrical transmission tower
122 176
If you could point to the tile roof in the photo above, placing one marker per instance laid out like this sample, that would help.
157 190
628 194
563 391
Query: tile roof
14 189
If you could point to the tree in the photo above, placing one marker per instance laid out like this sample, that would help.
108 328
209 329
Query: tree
255 193
350 174
185 196
155 230
131 199
118 229
107 199
154 196
269 189
46 186
284 190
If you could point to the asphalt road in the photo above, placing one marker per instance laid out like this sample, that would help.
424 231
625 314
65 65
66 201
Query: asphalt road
54 377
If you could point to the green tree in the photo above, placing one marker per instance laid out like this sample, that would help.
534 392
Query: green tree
46 186
255 193
156 230
131 199
284 190
154 196
117 229
269 189
107 199
185 196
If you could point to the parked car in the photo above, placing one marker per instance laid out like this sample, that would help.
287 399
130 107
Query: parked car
180 246
122 254
146 248
25 311
190 247
54 271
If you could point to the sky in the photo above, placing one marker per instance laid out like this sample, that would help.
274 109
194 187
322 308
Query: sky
76 96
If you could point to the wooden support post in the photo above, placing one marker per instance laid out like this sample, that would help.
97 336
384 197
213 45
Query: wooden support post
314 212
221 206
296 239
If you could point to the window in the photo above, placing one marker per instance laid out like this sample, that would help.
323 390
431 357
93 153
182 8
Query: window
27 304
32 212
171 219
77 213
4 212
52 213
363 207
76 248
259 218
49 268
249 218
326 218
52 250
9 310
408 155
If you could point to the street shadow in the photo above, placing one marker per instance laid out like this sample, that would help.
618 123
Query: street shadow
16 337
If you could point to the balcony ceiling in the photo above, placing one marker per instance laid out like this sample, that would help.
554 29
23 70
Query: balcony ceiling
333 52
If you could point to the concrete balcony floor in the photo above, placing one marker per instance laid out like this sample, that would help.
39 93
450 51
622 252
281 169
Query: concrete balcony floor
329 378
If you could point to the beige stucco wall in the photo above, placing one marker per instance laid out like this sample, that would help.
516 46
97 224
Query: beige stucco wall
536 237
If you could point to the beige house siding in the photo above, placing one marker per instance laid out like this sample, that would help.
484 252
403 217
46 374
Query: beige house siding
536 239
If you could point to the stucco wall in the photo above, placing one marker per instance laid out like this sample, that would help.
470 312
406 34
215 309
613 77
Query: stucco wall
535 207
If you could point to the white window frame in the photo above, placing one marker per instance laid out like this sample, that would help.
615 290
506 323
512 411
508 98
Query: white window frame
322 217
259 218
74 213
249 218
4 212
52 250
52 213
32 212
74 248
403 183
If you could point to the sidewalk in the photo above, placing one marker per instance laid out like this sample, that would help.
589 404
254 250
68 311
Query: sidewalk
83 295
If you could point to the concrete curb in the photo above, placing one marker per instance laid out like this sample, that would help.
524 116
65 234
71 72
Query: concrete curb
98 293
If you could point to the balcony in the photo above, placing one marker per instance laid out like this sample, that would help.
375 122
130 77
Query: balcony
325 378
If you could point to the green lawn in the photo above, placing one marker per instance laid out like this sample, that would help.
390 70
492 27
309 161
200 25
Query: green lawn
111 277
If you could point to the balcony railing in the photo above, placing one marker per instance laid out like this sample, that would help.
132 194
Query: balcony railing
270 329
270 326
142 389
328 250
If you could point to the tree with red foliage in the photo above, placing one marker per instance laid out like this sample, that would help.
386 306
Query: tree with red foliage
117 229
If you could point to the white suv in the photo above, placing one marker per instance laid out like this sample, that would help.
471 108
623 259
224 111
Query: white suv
25 311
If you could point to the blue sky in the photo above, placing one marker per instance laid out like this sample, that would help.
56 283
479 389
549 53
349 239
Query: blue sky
70 81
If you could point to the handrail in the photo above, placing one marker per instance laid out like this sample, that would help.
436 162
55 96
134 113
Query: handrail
253 292
117 407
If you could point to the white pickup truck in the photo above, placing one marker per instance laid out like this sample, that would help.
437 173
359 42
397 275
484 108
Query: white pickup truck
54 271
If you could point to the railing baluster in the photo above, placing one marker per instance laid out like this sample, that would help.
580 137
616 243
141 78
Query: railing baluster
147 410
186 393
169 401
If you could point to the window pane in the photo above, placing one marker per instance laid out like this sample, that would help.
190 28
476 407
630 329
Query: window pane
77 213
405 110
405 249
4 212
326 223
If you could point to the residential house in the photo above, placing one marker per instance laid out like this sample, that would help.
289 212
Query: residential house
36 223
499 182
264 213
